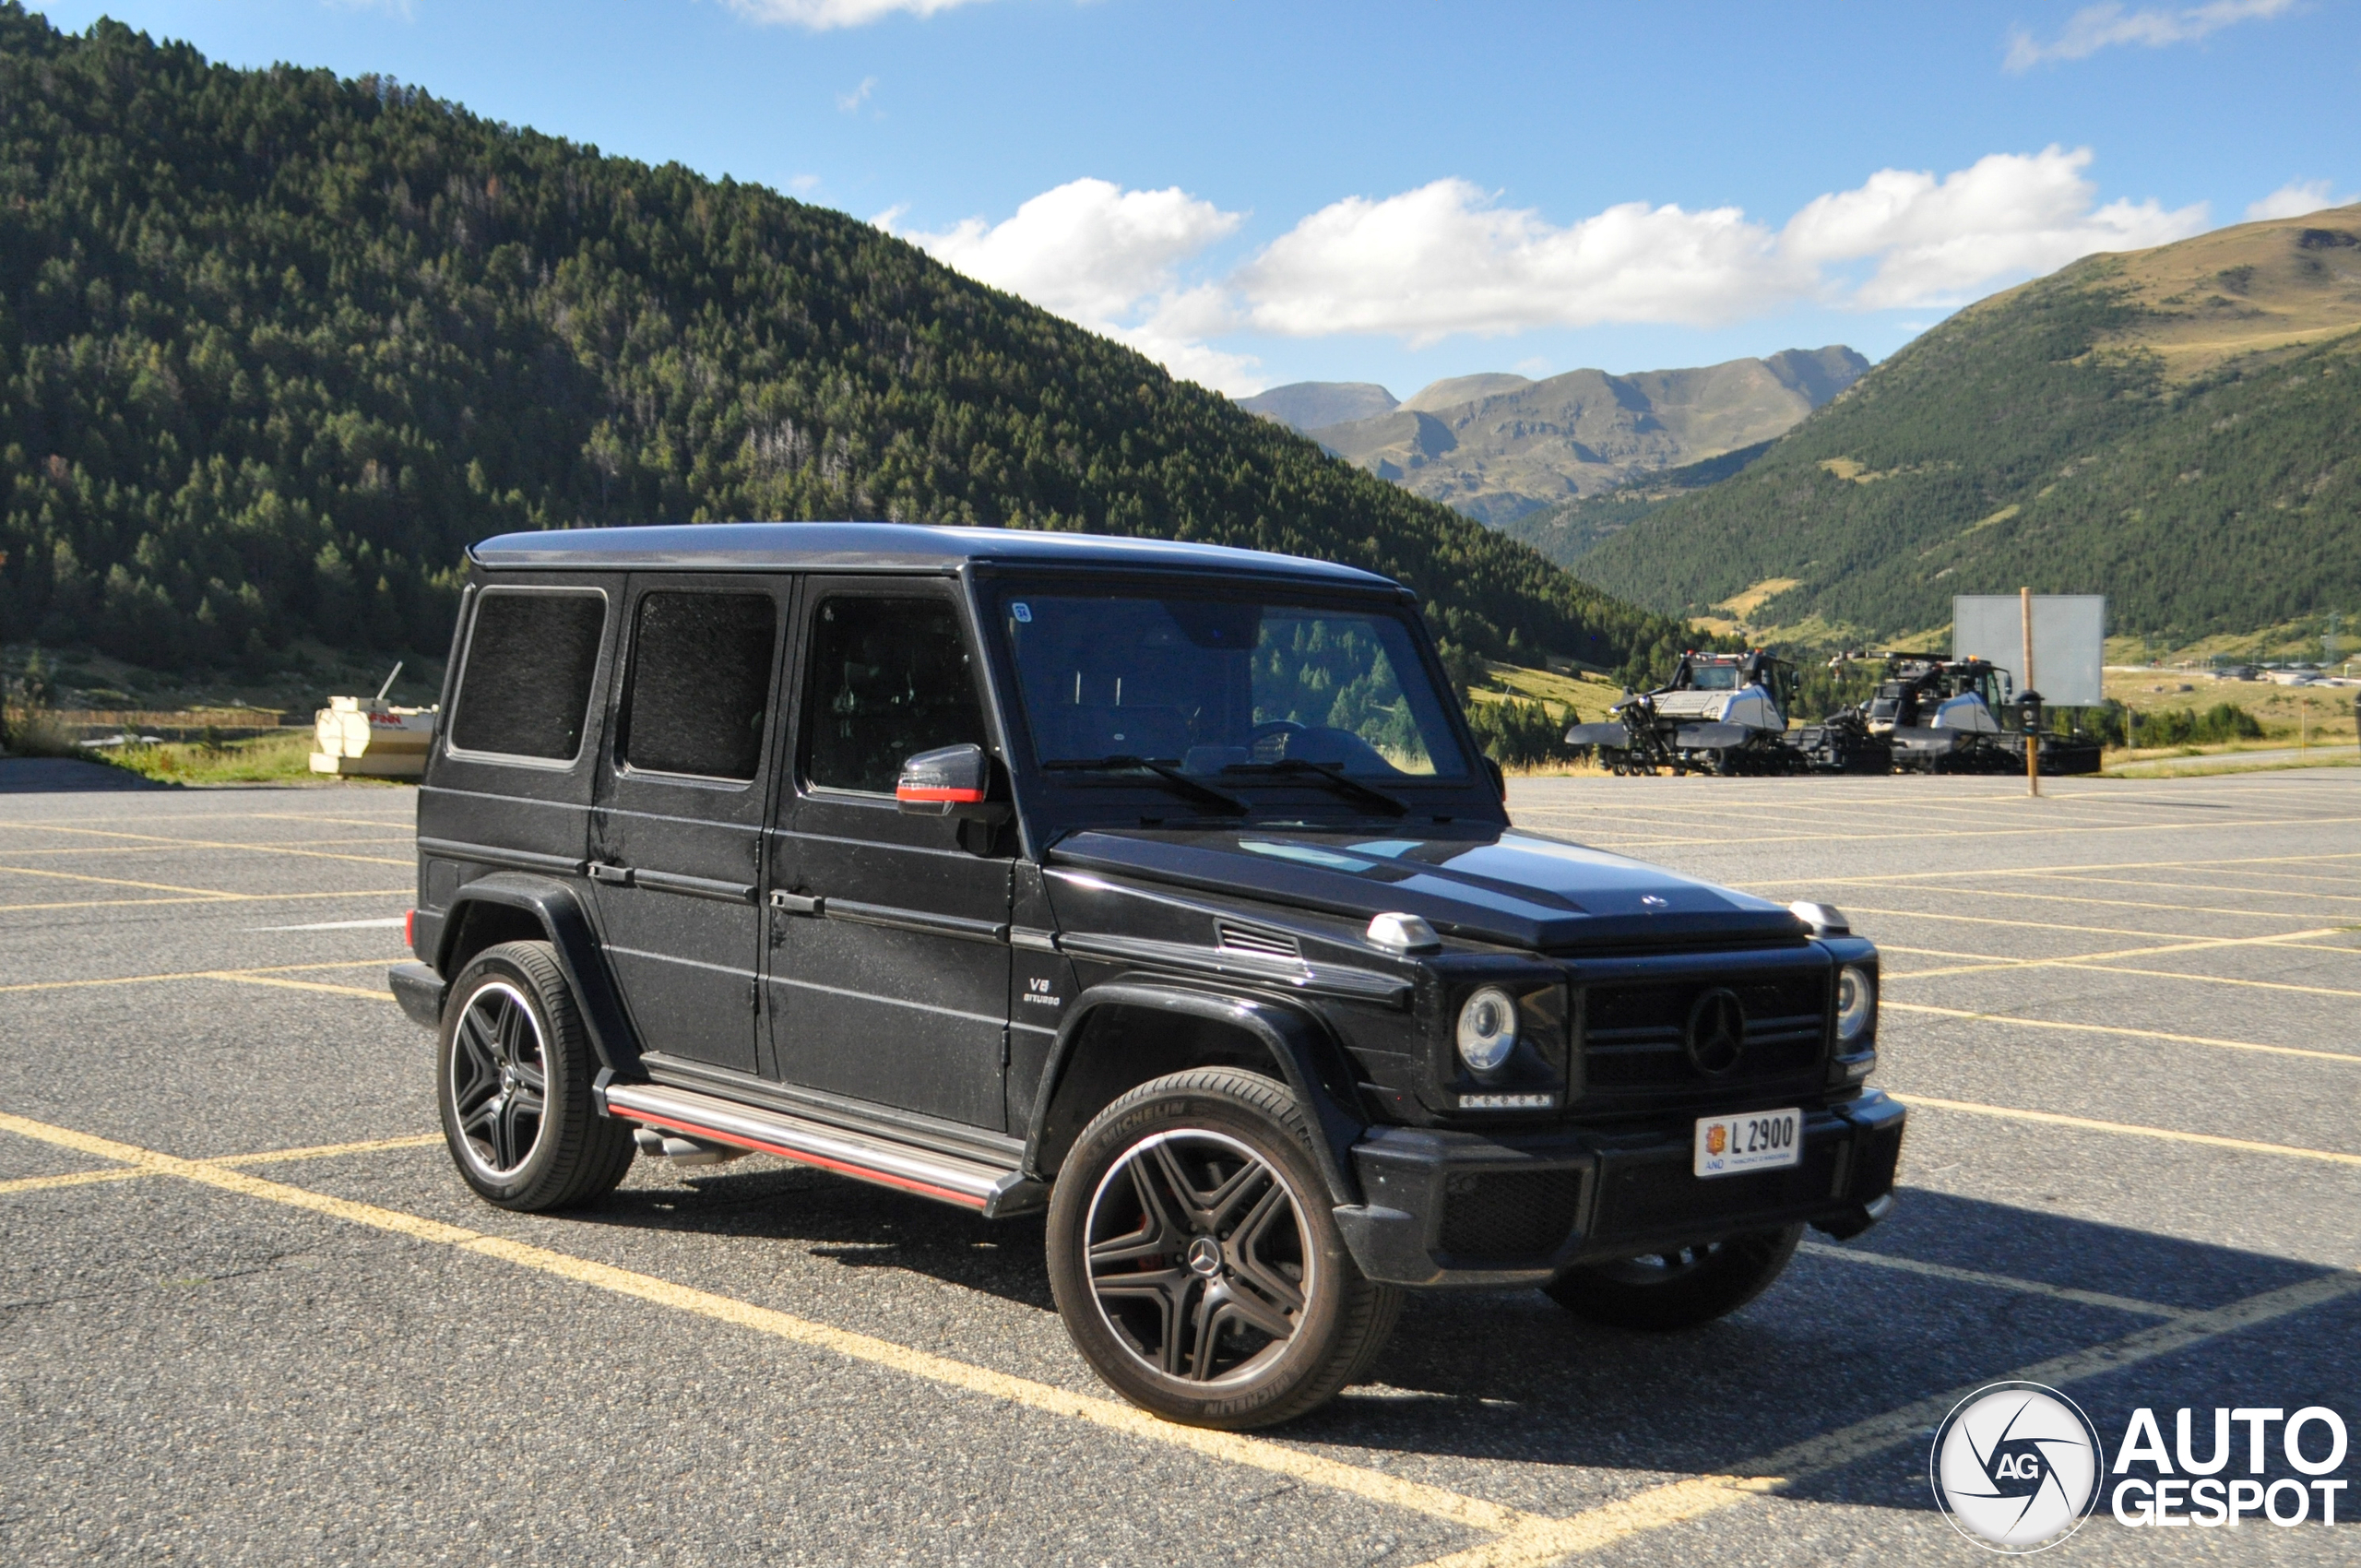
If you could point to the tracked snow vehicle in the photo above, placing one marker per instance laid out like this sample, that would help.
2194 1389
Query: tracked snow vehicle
1722 713
1962 716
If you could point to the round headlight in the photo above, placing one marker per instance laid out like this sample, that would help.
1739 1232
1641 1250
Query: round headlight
1487 1029
1856 1002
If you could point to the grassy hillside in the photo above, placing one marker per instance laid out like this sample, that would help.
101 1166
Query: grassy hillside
275 346
1573 528
2172 428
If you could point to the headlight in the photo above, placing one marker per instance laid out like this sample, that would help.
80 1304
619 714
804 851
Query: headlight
1487 1029
1856 1004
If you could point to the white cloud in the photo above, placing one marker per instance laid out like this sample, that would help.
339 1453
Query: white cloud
404 10
2295 198
850 102
2103 27
1447 259
1940 242
1443 259
819 16
1108 258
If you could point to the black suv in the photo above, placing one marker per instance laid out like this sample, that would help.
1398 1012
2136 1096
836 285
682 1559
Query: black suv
1157 885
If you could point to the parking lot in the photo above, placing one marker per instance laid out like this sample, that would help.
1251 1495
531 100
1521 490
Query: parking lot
249 1313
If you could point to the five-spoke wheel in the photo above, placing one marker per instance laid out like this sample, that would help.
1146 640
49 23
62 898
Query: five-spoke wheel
512 1075
1196 1260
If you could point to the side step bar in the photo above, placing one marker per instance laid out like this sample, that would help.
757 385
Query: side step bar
994 1192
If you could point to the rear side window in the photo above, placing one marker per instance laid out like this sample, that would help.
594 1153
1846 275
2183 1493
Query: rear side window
700 683
890 678
530 660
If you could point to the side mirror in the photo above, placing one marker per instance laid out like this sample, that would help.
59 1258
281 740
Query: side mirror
952 781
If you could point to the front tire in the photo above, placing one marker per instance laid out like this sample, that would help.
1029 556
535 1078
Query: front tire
1682 1288
512 1080
1195 1256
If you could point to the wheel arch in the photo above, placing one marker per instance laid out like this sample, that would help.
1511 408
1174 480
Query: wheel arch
517 907
1119 1036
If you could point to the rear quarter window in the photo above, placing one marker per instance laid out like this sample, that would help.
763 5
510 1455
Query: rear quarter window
531 657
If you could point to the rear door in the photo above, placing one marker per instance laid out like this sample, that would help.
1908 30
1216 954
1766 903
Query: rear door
676 833
889 959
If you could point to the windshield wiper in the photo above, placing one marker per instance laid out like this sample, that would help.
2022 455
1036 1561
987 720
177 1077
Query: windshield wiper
1220 800
1368 794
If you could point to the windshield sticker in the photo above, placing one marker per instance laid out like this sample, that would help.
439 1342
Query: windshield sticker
1021 612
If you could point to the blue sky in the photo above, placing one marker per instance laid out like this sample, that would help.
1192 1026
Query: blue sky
1401 190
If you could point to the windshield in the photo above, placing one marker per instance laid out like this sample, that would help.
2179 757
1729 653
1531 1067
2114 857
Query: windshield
1713 677
1242 686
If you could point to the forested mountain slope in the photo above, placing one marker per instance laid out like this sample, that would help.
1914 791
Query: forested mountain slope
275 346
2173 428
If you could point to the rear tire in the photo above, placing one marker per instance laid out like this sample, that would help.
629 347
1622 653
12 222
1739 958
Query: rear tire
1666 1292
1195 1258
513 1067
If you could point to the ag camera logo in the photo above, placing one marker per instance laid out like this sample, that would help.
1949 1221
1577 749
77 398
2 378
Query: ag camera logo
2016 1466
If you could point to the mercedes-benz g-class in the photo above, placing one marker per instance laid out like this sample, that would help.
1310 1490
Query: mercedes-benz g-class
1156 886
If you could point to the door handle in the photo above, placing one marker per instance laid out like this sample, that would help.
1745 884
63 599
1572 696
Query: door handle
602 871
797 903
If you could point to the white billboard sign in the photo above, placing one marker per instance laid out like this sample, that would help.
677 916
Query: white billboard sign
2069 642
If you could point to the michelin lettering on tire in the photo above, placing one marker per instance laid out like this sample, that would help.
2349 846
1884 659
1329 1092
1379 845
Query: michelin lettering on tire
2016 1466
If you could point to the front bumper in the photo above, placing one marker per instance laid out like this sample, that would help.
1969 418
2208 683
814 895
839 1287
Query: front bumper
1447 1209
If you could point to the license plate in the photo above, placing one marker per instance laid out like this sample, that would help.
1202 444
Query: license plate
1761 1140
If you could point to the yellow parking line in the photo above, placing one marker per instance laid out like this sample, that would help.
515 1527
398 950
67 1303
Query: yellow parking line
1260 1454
1905 878
2130 1129
1986 962
72 1178
164 846
1994 1281
2051 830
2086 880
236 978
114 882
162 842
2113 903
1545 1542
267 1157
209 898
2353 1058
1852 909
195 974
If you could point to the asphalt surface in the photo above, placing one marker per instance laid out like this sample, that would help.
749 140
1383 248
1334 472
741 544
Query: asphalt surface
2124 1013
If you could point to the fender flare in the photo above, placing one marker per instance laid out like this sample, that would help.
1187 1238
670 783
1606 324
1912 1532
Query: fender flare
568 927
1314 1066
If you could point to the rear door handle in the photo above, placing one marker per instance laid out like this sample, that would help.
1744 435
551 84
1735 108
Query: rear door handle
602 870
797 903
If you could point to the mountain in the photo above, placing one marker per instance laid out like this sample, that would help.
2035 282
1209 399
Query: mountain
1308 405
275 346
1500 446
2172 428
1572 529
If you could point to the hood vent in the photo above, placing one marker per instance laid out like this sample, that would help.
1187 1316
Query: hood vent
1235 938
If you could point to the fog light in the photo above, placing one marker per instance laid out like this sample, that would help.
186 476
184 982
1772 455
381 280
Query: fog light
1487 1030
1857 1002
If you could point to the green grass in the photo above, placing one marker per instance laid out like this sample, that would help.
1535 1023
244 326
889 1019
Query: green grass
283 759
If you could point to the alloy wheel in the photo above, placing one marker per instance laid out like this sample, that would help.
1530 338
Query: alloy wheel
1198 1260
499 1080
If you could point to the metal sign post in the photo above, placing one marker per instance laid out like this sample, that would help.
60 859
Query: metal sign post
2033 742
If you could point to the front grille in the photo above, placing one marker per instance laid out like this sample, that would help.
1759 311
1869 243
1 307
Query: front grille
1508 1214
1641 1198
1635 1037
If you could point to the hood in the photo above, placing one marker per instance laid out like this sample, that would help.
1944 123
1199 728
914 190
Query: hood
1511 888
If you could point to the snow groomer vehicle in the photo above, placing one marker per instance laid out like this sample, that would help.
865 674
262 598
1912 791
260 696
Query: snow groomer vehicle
1156 888
1719 713
1945 714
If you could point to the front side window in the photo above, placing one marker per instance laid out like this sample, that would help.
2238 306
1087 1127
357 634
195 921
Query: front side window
526 689
700 684
1210 685
889 678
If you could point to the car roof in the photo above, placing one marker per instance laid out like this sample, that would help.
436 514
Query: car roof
880 547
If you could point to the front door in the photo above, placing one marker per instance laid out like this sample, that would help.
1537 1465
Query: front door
676 833
889 959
